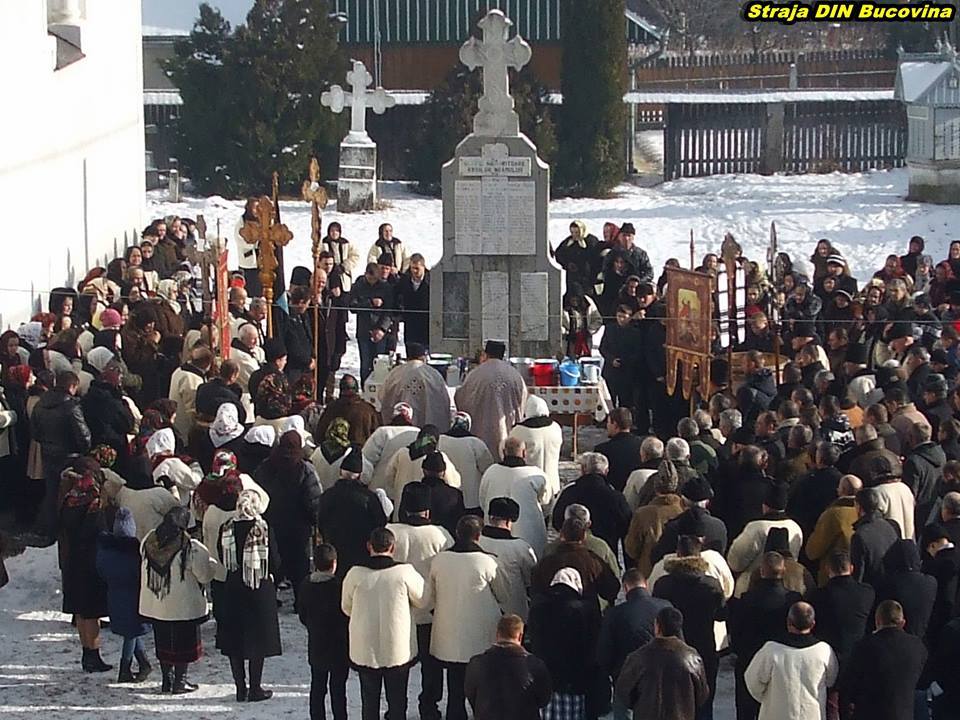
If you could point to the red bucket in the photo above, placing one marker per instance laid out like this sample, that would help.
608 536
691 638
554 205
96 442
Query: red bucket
545 373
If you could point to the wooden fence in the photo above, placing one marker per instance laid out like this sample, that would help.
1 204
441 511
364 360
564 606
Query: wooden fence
718 138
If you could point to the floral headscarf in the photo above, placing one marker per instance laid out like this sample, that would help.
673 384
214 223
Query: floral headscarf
273 397
83 480
227 425
337 439
105 456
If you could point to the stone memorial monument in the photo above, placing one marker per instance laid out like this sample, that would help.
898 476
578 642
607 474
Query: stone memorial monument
495 280
357 184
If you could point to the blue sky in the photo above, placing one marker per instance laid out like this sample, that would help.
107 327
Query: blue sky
180 14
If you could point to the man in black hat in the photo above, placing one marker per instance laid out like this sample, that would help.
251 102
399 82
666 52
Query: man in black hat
900 339
515 558
934 402
837 269
638 262
917 365
940 362
696 520
446 503
372 300
746 550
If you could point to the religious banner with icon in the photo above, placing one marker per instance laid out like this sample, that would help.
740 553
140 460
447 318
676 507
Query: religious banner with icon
223 304
689 318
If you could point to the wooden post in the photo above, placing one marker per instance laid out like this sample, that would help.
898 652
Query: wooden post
316 195
693 262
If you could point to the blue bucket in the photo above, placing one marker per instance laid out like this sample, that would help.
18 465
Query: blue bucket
569 373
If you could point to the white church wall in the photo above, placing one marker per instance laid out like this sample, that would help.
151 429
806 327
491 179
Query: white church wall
71 146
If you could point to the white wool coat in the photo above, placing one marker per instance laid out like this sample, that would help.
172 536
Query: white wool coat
515 561
718 569
465 593
635 483
380 448
401 471
543 452
418 545
746 550
329 472
526 485
379 604
897 503
471 457
183 389
185 478
791 683
186 600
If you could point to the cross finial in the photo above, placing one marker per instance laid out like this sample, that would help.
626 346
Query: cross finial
311 190
358 100
496 55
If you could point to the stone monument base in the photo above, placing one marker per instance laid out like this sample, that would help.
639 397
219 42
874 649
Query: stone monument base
357 185
935 182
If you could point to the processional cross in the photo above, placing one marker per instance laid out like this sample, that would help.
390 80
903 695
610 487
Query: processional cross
267 235
359 99
314 193
496 55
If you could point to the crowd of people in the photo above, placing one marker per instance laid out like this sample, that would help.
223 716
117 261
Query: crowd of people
803 518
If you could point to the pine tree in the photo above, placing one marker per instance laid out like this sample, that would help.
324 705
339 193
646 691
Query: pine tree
256 102
448 119
593 81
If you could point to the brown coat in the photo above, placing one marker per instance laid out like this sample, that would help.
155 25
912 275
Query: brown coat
362 416
832 534
904 419
646 527
598 579
664 679
796 577
862 465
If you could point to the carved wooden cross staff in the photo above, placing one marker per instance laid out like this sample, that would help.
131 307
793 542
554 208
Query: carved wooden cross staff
267 236
315 194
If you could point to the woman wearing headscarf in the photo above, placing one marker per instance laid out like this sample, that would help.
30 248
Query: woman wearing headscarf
220 485
10 355
179 474
575 253
386 440
471 457
328 457
543 439
226 433
245 602
258 443
172 575
406 466
563 631
17 383
84 592
118 564
294 493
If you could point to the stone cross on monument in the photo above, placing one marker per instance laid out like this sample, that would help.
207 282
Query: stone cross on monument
357 184
496 55
495 280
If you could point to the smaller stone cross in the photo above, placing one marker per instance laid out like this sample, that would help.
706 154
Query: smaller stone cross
267 235
359 100
496 55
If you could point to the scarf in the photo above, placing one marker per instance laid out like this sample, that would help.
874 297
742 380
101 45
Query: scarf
222 481
84 489
336 440
226 426
256 546
273 396
286 457
426 442
159 557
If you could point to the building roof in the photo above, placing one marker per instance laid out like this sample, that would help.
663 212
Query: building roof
751 96
454 21
156 31
162 97
917 78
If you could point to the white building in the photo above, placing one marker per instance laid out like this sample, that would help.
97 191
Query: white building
71 143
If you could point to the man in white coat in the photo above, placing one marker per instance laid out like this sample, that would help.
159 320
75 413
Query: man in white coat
418 541
183 388
746 551
513 478
514 555
543 439
379 598
387 440
466 593
790 678
420 386
470 457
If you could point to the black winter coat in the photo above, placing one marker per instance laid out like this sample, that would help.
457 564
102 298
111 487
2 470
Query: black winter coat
84 591
414 306
923 470
756 394
623 453
369 317
318 605
214 393
882 674
843 607
562 631
638 263
759 615
692 521
296 332
347 514
57 423
873 536
811 495
739 495
507 683
107 415
627 627
577 260
904 582
610 514
945 567
446 504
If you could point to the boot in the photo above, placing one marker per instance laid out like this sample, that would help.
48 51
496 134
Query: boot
239 678
166 672
256 692
180 684
126 675
144 667
92 662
